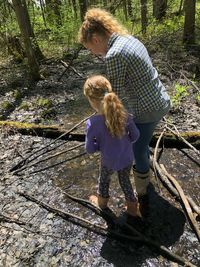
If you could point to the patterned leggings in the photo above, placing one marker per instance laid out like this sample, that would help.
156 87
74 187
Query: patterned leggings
124 181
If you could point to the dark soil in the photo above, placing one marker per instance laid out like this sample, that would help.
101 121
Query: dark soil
52 241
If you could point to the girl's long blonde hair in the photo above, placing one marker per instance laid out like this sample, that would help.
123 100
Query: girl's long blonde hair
98 88
99 21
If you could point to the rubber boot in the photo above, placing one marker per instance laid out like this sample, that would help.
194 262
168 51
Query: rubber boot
141 183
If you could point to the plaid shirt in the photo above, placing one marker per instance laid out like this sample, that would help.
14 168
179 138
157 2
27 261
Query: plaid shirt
133 77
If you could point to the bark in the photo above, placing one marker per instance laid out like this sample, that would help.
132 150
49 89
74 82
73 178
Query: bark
144 20
83 8
53 132
189 24
53 8
159 8
27 34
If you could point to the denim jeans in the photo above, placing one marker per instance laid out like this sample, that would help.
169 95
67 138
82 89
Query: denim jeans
141 147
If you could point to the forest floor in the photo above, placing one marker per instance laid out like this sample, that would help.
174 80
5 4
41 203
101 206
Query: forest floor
33 236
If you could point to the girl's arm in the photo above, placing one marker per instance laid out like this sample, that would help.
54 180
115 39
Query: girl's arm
91 145
133 131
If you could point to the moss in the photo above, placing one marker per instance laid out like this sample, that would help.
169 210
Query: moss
17 94
24 106
44 102
6 105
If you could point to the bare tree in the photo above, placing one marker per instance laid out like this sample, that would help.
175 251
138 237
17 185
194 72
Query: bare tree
189 24
144 20
159 8
53 8
83 8
23 20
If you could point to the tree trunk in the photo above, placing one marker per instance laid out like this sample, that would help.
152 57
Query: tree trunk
130 10
74 6
189 24
125 9
22 15
83 8
144 20
159 8
53 11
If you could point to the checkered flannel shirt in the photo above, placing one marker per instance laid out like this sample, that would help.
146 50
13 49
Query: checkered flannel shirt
133 77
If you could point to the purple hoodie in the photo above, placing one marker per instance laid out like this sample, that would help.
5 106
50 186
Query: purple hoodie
116 153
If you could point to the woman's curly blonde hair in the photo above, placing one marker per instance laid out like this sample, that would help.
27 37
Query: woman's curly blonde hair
98 88
99 21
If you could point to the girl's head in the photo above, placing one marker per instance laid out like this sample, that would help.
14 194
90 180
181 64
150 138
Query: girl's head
97 27
99 92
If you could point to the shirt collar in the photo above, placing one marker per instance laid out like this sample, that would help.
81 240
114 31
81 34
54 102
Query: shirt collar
112 39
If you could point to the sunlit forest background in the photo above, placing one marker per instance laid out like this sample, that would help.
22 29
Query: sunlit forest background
51 26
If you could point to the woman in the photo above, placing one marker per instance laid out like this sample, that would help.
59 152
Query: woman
134 79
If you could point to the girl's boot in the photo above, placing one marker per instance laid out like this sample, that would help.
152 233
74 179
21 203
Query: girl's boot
102 202
132 208
99 201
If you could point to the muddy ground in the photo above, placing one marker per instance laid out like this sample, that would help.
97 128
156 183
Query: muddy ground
45 239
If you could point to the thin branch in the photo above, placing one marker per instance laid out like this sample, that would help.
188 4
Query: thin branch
184 200
172 189
87 224
177 133
24 161
54 165
155 157
47 158
7 219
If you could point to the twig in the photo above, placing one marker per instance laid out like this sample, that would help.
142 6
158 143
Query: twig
172 189
155 157
70 63
24 161
7 219
67 66
176 133
87 224
56 164
191 82
184 200
47 158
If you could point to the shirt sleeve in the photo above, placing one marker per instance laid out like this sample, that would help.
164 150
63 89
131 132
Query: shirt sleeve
116 66
133 131
91 144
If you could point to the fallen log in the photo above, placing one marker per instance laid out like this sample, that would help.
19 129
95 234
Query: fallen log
54 132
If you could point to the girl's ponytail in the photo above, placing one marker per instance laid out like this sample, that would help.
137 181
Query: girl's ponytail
115 114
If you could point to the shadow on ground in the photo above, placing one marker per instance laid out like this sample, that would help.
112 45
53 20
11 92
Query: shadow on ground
165 225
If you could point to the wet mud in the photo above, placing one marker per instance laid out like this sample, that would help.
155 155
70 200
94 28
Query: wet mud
53 241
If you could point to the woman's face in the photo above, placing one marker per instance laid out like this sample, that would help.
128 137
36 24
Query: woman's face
98 45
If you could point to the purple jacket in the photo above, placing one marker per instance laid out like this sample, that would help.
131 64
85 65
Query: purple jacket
116 153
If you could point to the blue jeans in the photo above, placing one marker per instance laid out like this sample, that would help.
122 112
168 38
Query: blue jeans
141 147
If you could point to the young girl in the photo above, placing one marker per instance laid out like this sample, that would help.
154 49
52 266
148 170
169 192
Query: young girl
134 79
112 132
